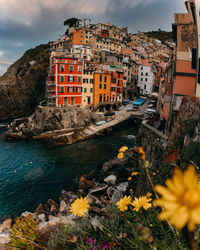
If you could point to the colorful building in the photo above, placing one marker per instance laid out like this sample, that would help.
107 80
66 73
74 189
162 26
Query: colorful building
64 85
102 87
88 79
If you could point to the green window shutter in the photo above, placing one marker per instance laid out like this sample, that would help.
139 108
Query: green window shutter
100 78
91 90
85 90
104 86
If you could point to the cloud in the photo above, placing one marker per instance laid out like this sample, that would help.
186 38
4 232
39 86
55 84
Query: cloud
27 23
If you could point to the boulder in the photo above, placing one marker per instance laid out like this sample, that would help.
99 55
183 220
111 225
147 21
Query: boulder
111 179
39 209
122 186
5 226
114 194
63 207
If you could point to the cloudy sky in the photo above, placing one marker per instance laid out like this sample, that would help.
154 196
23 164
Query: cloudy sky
27 23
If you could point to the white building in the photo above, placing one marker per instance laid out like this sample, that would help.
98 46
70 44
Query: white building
146 79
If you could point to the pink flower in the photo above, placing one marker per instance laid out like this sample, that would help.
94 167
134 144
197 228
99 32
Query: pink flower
105 245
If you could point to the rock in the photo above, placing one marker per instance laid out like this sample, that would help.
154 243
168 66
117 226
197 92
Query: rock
122 186
4 240
93 200
39 209
67 196
22 87
53 206
117 195
25 214
63 207
54 221
99 188
114 194
42 217
111 179
5 226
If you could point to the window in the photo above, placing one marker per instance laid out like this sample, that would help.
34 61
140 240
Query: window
141 79
91 80
85 90
104 97
100 78
105 79
70 89
141 68
65 100
62 89
144 86
73 61
78 89
100 97
86 80
72 101
70 79
100 86
71 68
79 78
145 79
62 79
104 86
141 73
60 59
91 90
62 68
146 74
79 68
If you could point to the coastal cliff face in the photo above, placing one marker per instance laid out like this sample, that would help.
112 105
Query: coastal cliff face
22 87
54 126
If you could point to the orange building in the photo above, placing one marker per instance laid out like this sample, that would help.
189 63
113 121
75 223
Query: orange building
102 87
64 85
78 37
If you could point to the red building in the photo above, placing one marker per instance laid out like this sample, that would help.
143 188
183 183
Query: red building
64 85
117 80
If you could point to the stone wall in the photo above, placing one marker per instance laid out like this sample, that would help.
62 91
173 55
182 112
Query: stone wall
153 142
187 122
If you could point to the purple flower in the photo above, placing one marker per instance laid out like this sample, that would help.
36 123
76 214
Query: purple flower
94 248
105 245
90 241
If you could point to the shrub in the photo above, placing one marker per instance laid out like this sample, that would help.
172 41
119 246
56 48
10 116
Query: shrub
24 233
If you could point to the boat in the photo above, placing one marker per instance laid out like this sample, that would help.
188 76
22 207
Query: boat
138 102
100 123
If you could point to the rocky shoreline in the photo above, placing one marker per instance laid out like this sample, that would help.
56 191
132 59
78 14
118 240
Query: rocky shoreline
101 187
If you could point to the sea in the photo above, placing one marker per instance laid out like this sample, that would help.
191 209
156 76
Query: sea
31 174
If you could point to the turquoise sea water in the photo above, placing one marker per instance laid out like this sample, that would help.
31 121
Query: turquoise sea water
30 173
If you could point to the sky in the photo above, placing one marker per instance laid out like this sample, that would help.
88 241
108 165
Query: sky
25 24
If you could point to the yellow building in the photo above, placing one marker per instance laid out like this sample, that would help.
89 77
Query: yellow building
87 95
102 87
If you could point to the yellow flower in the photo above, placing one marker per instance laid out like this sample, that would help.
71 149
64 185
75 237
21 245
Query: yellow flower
120 155
148 195
123 203
140 202
134 173
181 199
123 149
154 173
129 178
79 206
141 153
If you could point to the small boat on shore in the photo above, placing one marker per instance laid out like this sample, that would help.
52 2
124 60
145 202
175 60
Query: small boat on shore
100 123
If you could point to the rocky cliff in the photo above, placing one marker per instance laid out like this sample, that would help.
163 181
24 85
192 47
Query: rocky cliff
22 87
54 126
